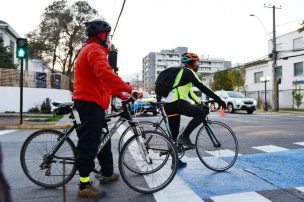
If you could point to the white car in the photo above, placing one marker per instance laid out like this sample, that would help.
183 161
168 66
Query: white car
237 101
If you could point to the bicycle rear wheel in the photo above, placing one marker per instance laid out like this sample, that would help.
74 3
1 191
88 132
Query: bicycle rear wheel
48 172
217 157
143 125
150 172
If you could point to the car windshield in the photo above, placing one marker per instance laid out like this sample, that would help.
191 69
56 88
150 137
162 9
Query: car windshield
235 94
146 95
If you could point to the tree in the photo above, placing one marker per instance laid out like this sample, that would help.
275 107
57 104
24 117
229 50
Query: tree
61 33
298 96
221 81
6 57
236 76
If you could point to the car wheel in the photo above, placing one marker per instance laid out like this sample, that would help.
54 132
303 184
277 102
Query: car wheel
250 111
154 113
230 108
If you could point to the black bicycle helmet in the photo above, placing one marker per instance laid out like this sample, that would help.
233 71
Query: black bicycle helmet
93 28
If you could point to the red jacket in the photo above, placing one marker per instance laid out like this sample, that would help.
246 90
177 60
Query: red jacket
94 79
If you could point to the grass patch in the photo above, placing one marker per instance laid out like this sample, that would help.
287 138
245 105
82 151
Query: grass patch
49 119
290 109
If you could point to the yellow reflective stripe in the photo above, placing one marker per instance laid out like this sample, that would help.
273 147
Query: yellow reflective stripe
84 179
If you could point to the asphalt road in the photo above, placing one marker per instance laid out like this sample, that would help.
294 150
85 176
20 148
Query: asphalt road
269 168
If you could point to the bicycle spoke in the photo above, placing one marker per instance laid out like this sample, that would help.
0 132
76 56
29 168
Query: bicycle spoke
214 157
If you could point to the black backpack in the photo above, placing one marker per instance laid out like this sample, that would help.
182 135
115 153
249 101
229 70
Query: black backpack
165 80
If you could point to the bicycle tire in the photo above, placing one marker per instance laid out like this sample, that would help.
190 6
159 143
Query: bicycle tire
33 150
148 140
126 135
217 158
163 172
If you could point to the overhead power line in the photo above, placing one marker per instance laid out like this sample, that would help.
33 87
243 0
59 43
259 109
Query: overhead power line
123 5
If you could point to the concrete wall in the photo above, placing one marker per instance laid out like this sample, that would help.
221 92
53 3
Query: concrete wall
32 97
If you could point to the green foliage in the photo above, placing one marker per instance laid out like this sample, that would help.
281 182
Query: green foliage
49 119
34 110
46 107
236 76
61 33
6 57
298 96
221 81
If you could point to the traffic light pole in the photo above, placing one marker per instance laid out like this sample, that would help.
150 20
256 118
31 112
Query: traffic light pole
21 92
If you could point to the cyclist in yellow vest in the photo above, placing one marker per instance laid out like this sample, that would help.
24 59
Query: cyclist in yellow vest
176 101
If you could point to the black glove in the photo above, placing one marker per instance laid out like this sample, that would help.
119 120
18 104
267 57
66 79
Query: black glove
222 104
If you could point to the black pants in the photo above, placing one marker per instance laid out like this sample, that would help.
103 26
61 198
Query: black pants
92 119
183 107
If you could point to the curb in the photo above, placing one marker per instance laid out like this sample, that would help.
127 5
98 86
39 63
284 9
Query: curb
37 126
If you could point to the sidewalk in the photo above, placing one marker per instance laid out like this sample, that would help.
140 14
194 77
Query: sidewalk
12 121
286 112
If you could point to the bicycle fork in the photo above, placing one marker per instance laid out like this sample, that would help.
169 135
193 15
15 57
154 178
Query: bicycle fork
141 145
211 134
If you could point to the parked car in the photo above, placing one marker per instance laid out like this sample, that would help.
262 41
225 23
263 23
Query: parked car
237 101
144 105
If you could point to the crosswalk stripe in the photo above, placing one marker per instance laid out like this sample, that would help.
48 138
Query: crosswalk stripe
222 153
2 132
241 197
177 191
300 189
270 148
299 143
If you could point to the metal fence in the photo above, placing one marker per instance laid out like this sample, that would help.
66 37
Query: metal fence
286 98
31 79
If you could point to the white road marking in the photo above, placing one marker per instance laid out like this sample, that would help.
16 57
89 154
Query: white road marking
2 132
177 191
299 143
270 148
300 189
222 153
241 197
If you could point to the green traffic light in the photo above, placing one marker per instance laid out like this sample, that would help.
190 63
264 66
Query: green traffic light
21 53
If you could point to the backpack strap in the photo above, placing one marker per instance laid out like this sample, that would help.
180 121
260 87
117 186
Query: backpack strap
177 80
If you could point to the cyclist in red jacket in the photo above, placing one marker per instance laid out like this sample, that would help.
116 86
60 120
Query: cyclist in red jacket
94 84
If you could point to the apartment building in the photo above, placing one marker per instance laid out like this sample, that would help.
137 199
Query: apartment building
155 62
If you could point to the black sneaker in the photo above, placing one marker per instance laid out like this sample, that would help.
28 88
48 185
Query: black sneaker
181 164
185 141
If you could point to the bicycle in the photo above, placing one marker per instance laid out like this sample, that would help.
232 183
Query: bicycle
47 156
216 144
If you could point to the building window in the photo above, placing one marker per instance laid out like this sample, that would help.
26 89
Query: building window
278 72
257 77
298 69
298 43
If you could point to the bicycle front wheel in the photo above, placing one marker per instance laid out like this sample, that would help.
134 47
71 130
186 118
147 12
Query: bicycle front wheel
43 169
220 152
143 125
148 166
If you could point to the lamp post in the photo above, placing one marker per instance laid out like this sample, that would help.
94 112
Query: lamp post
253 15
265 80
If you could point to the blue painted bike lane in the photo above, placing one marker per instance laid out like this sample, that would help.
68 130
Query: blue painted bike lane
256 172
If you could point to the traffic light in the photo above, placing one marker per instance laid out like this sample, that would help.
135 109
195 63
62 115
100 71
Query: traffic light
21 48
112 57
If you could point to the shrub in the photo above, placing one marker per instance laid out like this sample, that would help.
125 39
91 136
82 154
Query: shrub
46 106
34 110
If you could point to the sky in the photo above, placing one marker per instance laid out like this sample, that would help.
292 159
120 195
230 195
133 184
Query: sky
213 28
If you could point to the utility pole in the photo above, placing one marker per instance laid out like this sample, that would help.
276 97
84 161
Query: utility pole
275 93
